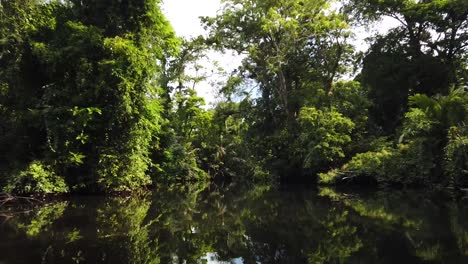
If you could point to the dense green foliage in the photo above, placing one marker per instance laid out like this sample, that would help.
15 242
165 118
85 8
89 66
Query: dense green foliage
431 149
80 94
101 95
391 125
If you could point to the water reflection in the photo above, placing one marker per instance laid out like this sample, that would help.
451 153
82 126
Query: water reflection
200 224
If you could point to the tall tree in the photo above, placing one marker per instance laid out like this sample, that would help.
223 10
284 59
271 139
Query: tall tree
96 101
294 50
425 54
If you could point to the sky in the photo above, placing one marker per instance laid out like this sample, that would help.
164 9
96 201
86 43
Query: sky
184 16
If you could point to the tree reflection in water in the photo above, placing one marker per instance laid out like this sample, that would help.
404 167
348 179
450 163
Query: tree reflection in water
236 224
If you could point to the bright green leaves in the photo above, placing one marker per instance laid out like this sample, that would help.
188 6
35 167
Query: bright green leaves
436 115
189 108
132 109
36 178
433 139
176 156
90 69
295 52
405 165
456 156
325 135
126 71
103 93
276 34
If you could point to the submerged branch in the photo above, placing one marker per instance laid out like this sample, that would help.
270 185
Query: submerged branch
11 205
6 198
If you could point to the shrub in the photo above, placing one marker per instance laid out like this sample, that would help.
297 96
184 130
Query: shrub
456 156
324 135
37 178
407 164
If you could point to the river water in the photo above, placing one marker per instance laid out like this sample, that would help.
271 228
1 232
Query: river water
238 224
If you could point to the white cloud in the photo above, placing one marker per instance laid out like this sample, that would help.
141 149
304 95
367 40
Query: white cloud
184 14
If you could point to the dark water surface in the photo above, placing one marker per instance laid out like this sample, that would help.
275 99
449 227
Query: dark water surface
241 225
